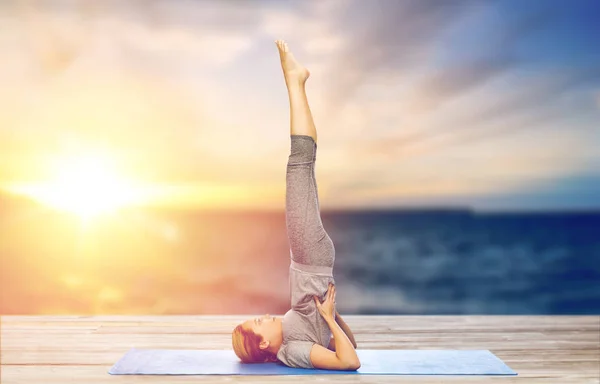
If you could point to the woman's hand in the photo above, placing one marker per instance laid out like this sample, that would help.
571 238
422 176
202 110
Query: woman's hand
327 308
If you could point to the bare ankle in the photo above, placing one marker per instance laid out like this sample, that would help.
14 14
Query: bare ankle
293 82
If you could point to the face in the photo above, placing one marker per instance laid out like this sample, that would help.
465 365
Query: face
268 327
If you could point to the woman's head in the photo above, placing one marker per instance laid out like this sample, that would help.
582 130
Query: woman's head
257 340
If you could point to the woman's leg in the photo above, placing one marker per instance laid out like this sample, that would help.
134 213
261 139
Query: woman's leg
309 242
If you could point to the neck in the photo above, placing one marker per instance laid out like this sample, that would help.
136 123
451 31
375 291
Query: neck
276 344
274 348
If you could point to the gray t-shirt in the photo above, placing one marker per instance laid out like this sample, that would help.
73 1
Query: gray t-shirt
303 325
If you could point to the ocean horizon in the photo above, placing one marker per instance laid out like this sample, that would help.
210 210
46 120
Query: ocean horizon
440 260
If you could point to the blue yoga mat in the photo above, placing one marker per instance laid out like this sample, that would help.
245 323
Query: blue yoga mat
373 362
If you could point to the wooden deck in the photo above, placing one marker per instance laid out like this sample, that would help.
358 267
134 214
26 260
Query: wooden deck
80 349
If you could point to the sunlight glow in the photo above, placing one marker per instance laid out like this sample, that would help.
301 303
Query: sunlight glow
86 185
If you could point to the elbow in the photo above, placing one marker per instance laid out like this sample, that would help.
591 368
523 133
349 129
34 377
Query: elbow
353 366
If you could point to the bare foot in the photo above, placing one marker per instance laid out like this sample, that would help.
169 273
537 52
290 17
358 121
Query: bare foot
293 71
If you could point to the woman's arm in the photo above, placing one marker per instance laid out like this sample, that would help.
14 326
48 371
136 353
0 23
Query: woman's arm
345 355
345 328
344 350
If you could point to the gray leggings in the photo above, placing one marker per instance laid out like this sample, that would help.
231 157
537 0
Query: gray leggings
309 242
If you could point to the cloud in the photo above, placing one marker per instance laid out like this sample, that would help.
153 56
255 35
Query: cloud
496 59
505 164
59 34
449 83
217 48
539 92
386 36
217 31
308 28
530 105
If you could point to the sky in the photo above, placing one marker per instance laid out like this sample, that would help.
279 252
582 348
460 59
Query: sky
493 105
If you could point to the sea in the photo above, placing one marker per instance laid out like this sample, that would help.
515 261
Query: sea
397 261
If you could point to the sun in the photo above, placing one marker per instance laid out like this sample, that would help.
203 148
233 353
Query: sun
86 185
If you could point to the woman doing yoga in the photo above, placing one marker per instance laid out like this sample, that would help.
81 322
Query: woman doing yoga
311 334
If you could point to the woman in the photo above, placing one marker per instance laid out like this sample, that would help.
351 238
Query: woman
311 334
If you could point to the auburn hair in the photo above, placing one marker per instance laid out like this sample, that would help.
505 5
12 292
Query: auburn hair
246 345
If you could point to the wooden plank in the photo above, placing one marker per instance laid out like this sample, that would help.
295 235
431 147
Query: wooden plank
98 375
